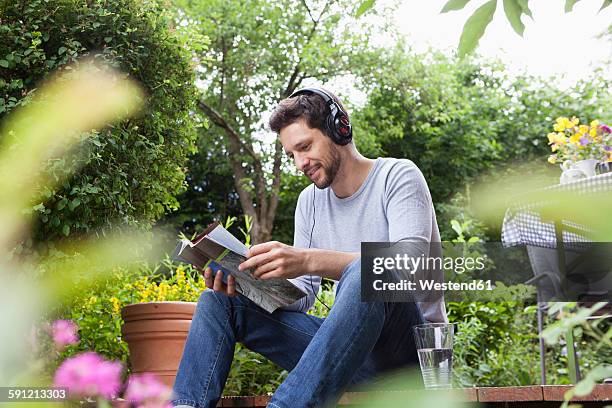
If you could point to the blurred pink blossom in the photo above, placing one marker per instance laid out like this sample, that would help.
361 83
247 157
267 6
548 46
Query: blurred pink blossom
606 128
88 375
146 391
64 333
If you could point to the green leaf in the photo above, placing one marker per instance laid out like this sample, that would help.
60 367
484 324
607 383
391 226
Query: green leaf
525 7
475 27
4 63
39 207
62 203
74 204
569 5
513 13
584 387
454 5
456 227
363 7
61 50
66 230
605 4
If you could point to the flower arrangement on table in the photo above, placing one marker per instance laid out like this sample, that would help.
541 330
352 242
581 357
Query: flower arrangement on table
575 142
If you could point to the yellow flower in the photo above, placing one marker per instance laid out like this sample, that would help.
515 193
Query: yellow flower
180 275
575 121
552 159
560 124
595 123
556 139
116 305
575 139
593 132
582 129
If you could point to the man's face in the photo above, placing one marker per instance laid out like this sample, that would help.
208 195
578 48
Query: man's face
313 153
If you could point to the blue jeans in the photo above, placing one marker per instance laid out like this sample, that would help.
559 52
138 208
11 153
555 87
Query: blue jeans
324 357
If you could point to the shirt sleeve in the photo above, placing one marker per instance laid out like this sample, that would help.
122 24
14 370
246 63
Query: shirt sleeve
411 216
409 208
301 239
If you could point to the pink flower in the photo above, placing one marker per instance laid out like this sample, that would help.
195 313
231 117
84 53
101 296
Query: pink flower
89 375
147 391
605 128
64 333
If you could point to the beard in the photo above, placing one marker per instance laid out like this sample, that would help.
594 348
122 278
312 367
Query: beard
329 166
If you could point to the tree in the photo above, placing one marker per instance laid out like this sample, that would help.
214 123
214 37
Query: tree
130 172
457 117
260 52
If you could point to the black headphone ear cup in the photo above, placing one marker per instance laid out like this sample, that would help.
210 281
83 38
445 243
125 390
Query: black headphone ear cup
342 130
330 126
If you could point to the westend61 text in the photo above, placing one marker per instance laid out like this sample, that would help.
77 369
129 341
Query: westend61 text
406 285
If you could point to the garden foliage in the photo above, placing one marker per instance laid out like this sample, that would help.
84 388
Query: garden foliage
456 118
128 173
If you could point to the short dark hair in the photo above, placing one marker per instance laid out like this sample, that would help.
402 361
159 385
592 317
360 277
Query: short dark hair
310 107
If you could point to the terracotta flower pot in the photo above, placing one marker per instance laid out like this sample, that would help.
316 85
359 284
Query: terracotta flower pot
155 333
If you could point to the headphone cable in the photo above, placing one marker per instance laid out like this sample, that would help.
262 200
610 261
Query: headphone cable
310 243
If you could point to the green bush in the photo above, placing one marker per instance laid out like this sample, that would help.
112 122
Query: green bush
130 172
496 343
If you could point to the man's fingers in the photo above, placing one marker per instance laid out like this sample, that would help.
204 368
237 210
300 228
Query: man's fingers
262 248
265 267
231 286
218 285
256 260
208 277
272 274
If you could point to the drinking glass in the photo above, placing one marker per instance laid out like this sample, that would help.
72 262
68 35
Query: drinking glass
434 343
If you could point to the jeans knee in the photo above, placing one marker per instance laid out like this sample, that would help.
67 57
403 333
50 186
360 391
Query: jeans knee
211 302
351 275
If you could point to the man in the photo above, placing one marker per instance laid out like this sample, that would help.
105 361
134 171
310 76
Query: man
352 199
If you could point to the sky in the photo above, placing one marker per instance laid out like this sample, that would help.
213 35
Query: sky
553 42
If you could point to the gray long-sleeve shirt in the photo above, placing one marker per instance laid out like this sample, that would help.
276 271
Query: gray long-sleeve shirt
393 204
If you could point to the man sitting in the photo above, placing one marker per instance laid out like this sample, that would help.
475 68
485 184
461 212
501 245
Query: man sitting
352 199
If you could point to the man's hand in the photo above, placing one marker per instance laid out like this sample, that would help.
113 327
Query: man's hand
275 260
217 284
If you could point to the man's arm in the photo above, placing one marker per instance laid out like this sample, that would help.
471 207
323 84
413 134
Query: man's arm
326 263
277 260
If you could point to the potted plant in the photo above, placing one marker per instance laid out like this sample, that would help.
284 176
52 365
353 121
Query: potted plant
156 327
580 148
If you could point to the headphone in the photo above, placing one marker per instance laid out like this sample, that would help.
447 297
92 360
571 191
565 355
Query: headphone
337 124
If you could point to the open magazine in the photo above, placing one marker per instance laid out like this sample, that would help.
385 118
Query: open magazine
219 249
